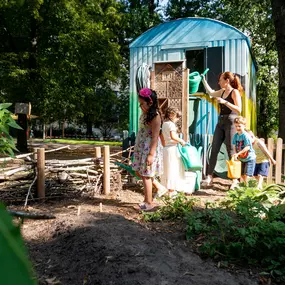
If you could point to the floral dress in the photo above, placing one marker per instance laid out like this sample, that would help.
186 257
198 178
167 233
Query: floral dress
141 151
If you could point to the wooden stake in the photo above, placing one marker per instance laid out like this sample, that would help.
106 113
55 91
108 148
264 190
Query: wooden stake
41 172
270 146
278 167
98 152
106 178
35 153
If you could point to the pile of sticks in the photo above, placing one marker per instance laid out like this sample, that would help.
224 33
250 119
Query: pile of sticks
62 178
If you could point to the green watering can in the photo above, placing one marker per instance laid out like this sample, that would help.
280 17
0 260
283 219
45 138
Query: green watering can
192 161
128 168
191 157
194 80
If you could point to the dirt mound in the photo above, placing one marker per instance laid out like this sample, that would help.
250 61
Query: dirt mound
110 248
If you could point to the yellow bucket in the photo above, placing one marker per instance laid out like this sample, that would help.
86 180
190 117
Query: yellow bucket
234 168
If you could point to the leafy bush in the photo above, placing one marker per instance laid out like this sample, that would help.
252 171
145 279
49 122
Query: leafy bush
15 267
7 144
271 195
251 234
175 208
248 227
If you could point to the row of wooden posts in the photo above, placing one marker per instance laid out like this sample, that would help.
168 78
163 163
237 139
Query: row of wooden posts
275 173
39 156
276 149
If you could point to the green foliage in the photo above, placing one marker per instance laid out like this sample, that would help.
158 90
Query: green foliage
254 18
175 208
7 145
251 234
271 195
249 228
15 267
56 53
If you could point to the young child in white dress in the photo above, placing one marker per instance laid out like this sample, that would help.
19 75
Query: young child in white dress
173 177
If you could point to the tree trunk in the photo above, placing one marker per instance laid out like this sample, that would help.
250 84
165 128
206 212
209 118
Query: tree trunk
278 14
22 145
89 128
63 126
50 131
44 131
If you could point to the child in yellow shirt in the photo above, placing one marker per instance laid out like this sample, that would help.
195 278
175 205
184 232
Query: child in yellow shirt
263 159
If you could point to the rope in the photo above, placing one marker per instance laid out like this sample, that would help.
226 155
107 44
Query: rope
143 77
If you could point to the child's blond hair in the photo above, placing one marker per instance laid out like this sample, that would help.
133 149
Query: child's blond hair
240 120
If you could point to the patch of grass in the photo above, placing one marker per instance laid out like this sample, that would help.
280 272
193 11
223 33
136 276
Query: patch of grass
79 141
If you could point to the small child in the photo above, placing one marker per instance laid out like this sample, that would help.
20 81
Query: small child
263 156
243 150
173 177
148 148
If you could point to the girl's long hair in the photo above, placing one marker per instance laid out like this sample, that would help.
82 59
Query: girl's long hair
153 110
171 111
234 80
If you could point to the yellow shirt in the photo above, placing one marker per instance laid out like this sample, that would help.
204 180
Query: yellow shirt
260 156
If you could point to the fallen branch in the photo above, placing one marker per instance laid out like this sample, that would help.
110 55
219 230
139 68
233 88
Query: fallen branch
82 175
26 202
54 169
28 215
13 171
16 176
120 152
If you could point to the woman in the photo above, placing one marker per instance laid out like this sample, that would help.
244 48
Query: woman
229 99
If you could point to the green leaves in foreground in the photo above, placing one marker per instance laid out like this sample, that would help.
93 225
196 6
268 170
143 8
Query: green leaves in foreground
248 234
7 145
15 268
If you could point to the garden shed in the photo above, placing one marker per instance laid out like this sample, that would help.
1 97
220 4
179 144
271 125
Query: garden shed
172 50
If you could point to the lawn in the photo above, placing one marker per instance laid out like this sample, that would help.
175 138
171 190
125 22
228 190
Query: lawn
80 141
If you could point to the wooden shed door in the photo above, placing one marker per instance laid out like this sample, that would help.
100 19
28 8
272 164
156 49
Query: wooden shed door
170 83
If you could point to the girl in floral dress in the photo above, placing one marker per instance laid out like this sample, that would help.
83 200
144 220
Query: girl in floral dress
147 160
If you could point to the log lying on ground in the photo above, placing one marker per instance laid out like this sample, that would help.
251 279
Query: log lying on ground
15 170
74 174
17 176
86 168
29 215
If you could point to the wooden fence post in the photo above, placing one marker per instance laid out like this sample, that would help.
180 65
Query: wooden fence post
41 172
278 166
106 178
98 152
35 154
270 147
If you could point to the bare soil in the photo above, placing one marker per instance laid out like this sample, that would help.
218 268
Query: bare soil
112 245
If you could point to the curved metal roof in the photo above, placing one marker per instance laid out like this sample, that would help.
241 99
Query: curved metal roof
185 30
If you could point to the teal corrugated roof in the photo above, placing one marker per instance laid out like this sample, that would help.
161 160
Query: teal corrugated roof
183 31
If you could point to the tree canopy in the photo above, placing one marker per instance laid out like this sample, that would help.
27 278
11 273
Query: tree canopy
63 55
55 53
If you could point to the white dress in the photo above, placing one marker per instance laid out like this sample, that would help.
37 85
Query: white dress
173 176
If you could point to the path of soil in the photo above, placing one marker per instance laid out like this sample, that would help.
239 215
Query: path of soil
115 247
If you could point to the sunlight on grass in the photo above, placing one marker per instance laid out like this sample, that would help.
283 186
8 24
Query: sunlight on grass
77 141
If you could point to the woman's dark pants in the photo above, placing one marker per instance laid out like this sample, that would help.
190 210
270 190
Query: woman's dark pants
224 132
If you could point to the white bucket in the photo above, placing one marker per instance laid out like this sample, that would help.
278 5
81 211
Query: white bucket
190 181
